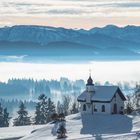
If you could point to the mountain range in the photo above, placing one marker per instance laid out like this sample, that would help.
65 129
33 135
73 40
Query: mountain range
30 41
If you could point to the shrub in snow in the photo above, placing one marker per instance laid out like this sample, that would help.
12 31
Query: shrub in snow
54 117
59 128
61 117
61 132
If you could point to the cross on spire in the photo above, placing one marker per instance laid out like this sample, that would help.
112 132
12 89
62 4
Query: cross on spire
90 81
89 72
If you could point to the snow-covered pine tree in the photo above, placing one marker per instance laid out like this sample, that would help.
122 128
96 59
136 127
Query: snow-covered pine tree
6 118
59 107
129 105
51 109
66 99
1 116
137 96
41 113
38 114
23 118
74 109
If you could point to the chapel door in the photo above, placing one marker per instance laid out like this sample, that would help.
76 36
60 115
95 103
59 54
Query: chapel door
115 109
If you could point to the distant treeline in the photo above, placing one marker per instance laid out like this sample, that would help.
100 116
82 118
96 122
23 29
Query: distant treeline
29 89
12 105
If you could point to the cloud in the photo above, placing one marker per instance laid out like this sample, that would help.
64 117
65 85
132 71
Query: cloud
72 8
64 12
12 58
128 5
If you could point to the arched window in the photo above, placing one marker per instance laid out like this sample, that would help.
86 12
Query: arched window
103 108
84 107
95 109
115 110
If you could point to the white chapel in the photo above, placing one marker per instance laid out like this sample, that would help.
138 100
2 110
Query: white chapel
101 99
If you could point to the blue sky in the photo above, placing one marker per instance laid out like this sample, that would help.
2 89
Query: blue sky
70 13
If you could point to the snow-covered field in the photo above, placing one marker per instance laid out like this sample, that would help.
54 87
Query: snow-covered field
87 127
16 132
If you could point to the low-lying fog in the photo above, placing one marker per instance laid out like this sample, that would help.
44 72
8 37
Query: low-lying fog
112 71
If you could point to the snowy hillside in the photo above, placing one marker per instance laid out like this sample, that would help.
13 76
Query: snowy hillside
94 127
14 133
106 127
110 42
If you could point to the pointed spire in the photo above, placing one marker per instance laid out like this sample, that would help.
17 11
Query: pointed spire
90 81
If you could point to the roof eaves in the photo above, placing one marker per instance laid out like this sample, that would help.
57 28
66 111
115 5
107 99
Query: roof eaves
97 101
81 100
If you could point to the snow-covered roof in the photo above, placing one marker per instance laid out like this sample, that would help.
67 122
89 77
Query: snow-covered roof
102 93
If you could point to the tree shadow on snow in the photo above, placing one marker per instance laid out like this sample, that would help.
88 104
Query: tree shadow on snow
98 124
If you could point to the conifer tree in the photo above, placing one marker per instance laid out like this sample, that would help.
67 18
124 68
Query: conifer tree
51 109
59 107
23 118
38 114
44 109
41 113
74 108
6 118
66 104
1 116
129 105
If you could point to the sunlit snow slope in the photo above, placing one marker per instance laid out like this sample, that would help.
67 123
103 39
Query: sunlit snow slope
88 127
